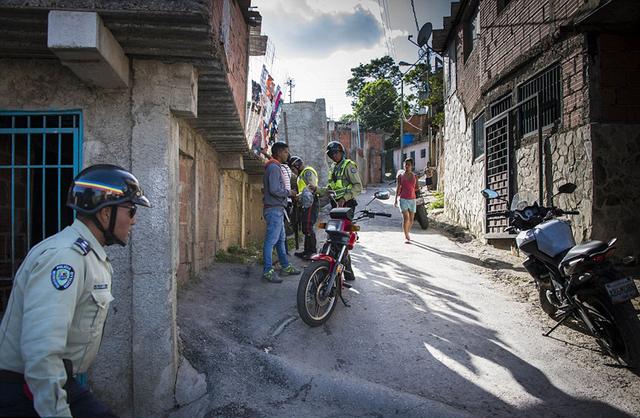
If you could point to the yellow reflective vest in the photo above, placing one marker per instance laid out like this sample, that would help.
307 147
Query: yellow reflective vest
301 183
339 180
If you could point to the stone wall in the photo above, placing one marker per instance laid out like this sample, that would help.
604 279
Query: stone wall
616 155
464 177
306 132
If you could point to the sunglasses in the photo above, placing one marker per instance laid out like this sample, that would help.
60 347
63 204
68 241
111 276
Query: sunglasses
132 210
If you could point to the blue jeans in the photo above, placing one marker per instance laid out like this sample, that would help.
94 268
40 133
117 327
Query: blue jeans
275 235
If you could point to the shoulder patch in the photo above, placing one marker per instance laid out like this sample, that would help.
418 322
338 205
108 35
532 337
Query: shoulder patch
62 276
82 245
354 170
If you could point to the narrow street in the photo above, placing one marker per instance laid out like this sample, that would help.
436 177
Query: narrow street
428 333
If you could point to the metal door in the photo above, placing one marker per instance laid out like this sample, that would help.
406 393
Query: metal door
498 164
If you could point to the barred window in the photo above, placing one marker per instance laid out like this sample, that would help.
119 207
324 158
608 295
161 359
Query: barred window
500 106
423 153
549 87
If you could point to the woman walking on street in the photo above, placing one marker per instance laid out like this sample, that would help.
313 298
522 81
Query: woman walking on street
406 191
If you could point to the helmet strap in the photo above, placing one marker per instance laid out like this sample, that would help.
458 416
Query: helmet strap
109 235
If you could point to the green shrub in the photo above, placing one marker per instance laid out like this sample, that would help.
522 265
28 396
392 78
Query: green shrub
439 202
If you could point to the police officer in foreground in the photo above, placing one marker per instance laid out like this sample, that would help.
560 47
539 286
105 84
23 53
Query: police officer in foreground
307 183
52 328
344 181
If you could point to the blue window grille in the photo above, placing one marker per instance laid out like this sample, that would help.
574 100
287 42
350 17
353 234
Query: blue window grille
40 153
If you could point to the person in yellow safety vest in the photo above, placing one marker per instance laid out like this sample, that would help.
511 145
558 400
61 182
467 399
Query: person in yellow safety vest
344 179
308 201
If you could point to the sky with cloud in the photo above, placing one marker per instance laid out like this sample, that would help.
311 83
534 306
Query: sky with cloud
317 42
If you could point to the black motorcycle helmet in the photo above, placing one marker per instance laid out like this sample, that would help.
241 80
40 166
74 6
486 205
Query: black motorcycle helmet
333 147
295 162
102 185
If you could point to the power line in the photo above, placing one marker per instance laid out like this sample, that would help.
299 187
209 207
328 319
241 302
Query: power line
413 7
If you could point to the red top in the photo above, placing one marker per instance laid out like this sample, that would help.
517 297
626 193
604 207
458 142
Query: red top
408 185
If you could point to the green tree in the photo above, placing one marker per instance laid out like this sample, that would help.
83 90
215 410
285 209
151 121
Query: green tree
377 106
347 117
421 79
378 69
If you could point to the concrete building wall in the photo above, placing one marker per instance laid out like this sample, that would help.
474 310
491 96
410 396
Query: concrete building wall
417 148
306 133
107 123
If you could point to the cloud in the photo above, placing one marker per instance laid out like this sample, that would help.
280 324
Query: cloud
322 33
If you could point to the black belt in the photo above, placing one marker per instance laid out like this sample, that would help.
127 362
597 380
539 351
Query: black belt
7 376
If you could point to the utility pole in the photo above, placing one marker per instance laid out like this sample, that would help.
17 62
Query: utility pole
291 84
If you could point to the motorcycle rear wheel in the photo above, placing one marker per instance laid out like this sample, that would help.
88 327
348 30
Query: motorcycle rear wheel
312 308
545 303
421 216
619 327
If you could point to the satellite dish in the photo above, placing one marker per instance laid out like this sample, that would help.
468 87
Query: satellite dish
424 34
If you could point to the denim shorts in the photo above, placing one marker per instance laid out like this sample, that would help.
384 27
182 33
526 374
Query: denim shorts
408 205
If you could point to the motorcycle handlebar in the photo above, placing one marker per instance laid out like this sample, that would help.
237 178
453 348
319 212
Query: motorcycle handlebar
388 215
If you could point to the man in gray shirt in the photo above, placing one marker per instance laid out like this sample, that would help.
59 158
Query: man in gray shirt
275 202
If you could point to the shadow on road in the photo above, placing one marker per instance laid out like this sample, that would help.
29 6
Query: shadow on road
456 343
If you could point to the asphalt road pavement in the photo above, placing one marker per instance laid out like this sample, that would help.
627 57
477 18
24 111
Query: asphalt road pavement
427 333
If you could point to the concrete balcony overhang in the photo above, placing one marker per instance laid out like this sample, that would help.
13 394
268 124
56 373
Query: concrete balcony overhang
164 30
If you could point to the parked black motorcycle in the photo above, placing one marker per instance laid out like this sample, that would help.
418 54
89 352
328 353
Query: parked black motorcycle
575 281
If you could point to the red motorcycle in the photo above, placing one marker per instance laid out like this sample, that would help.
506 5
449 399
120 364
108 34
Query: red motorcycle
323 280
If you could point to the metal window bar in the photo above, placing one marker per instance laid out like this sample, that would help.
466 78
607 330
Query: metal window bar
30 160
500 106
548 85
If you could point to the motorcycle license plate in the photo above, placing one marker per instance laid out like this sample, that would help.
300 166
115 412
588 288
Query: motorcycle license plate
622 290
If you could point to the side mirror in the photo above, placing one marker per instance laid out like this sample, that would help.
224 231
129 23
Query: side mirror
384 195
567 188
490 194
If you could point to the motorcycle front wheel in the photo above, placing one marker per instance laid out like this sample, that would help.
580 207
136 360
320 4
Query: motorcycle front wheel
312 307
618 328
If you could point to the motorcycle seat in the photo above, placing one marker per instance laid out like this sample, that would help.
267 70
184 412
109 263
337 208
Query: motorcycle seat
584 249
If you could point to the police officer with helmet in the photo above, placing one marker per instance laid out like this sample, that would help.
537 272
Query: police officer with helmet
344 179
52 328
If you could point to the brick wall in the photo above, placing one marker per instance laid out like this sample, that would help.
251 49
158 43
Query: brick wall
236 54
618 72
199 187
232 194
374 144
